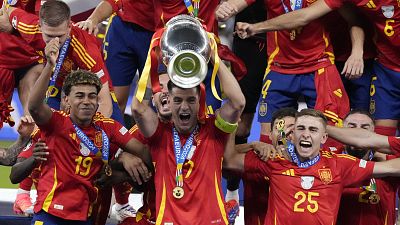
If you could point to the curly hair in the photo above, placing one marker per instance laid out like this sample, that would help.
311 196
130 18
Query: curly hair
81 77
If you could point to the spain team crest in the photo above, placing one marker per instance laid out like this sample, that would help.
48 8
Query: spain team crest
67 64
372 106
388 11
262 111
98 139
325 175
307 182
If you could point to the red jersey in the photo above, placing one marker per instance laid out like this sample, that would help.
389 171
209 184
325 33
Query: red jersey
140 12
15 52
83 52
309 51
202 202
67 178
385 15
307 194
167 9
356 208
394 143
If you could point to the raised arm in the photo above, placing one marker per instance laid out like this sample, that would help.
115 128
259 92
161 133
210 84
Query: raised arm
103 10
288 21
387 168
228 9
38 109
231 110
144 115
360 138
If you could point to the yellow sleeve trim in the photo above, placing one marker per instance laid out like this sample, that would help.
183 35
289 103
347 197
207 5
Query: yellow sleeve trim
225 126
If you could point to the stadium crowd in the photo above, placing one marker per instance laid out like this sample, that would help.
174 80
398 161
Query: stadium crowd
335 162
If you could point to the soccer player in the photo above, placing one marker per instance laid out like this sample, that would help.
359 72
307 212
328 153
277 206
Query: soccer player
253 53
198 148
373 202
8 156
126 42
78 145
384 16
78 49
313 181
300 63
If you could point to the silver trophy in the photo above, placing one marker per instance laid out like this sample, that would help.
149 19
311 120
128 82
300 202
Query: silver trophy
186 51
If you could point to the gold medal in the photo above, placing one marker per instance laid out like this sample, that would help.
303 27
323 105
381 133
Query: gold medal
374 198
108 170
178 192
292 35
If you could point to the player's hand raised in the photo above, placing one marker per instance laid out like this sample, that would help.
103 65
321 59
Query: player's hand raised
89 26
244 30
225 10
5 25
26 126
52 50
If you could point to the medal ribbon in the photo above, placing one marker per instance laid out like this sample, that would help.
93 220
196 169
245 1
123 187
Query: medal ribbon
60 61
298 5
295 158
193 9
90 145
180 157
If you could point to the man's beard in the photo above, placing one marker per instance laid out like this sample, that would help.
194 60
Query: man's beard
359 153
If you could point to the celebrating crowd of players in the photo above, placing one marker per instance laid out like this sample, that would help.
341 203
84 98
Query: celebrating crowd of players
75 149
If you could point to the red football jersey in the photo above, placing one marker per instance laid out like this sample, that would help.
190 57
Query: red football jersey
83 52
15 52
166 9
356 208
394 143
28 150
308 194
68 174
385 15
140 12
202 202
309 51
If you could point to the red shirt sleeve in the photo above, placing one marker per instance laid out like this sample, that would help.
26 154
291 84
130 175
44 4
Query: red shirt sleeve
394 144
115 4
255 168
353 170
28 150
138 135
119 134
28 27
334 4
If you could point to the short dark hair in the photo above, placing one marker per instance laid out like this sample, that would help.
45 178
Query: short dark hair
171 86
282 113
81 77
313 113
360 111
54 12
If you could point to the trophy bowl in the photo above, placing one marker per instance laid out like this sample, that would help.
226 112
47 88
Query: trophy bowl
186 51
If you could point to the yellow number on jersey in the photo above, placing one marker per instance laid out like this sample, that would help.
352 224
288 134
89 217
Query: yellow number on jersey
372 88
389 31
265 88
86 163
312 205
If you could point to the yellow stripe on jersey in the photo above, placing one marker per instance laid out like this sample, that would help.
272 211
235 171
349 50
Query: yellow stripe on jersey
219 199
133 129
273 54
37 222
88 57
275 218
35 132
28 25
28 31
331 56
162 205
81 54
346 156
49 197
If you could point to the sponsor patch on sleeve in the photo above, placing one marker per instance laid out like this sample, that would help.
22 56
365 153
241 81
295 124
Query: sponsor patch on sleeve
363 163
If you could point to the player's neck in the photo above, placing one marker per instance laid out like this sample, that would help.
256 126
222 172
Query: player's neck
303 159
81 123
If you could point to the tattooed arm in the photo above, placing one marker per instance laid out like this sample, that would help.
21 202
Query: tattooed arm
8 156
